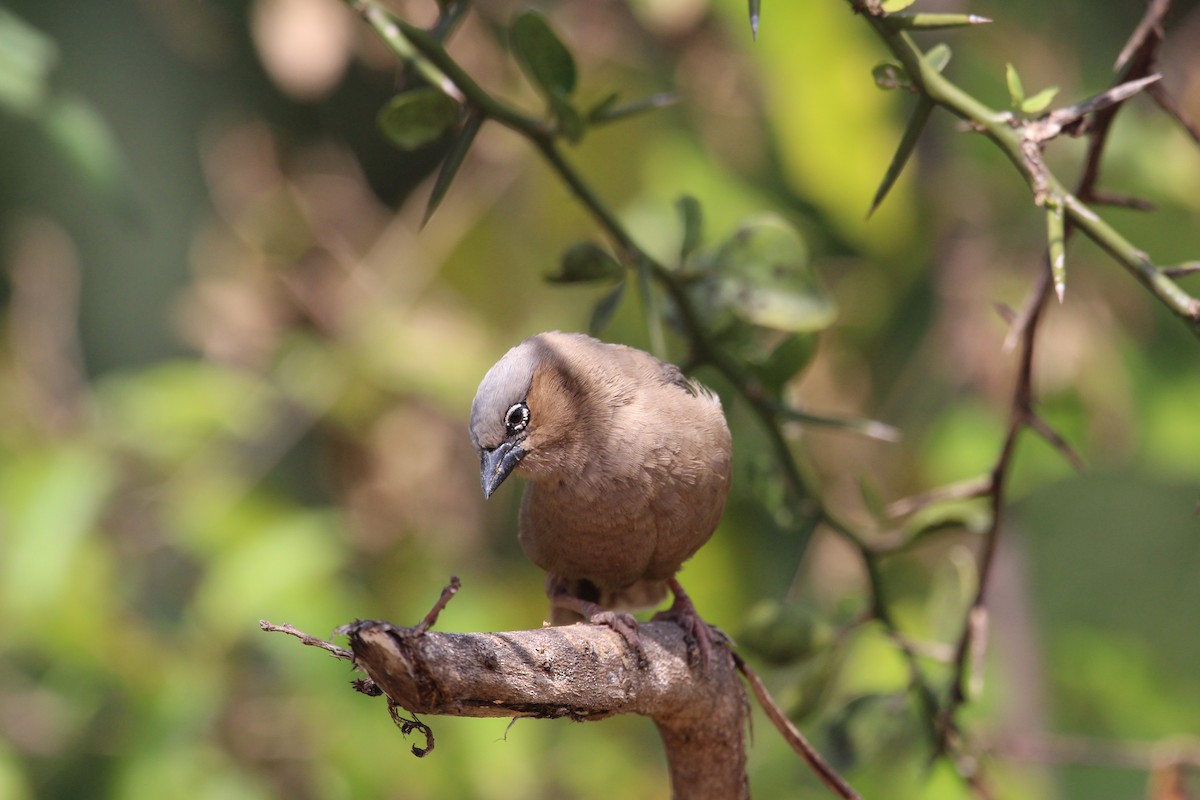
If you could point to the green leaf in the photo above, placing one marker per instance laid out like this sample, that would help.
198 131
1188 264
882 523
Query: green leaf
454 159
603 313
1056 242
1040 101
1016 91
892 6
891 75
784 633
88 145
545 60
763 275
908 144
587 262
787 360
938 56
972 515
773 357
53 497
692 215
418 117
570 122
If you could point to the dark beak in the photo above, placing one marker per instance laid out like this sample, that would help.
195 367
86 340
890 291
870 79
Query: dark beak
497 464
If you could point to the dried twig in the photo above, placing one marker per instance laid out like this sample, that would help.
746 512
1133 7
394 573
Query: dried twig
792 735
311 641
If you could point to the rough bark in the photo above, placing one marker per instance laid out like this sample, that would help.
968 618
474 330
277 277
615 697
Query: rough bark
586 672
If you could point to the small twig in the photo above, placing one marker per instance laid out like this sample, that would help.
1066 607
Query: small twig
969 489
1168 104
872 429
430 619
311 641
1106 198
1148 30
1055 440
1045 128
792 735
1020 415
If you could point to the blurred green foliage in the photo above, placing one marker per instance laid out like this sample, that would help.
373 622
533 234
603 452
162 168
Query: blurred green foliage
235 372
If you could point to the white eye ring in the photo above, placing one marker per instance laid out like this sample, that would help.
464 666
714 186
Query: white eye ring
517 417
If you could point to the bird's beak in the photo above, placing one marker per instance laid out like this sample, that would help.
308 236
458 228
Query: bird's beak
496 464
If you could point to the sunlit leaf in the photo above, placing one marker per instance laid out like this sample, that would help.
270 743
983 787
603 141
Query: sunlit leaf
454 159
907 146
418 117
1016 91
953 582
1040 101
972 515
892 6
546 61
765 278
26 58
587 262
51 498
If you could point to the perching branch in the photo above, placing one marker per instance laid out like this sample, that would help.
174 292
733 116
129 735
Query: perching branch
584 672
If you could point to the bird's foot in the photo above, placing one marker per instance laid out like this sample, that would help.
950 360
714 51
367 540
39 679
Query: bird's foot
625 625
595 614
697 633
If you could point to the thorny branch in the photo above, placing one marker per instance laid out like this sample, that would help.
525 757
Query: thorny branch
1136 65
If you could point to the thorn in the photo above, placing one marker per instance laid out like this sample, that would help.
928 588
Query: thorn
754 27
1005 311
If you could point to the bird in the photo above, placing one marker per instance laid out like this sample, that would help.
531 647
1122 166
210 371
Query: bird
627 469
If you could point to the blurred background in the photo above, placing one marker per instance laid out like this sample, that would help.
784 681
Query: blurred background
235 373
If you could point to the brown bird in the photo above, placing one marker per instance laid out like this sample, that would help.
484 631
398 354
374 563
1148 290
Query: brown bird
627 465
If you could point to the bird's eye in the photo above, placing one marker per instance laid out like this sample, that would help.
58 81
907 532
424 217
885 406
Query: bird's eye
517 417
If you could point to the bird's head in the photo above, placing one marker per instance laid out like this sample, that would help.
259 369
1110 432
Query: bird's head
528 411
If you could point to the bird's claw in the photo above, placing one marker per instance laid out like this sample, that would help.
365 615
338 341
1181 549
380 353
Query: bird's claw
698 635
625 625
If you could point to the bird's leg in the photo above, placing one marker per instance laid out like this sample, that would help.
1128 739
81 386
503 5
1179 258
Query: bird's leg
697 632
558 592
